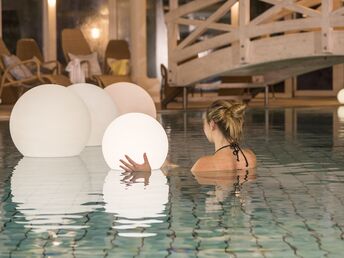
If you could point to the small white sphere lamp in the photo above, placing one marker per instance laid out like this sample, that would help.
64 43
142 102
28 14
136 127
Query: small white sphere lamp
130 97
133 134
101 107
340 96
50 121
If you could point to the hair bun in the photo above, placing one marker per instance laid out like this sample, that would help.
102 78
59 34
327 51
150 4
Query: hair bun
237 110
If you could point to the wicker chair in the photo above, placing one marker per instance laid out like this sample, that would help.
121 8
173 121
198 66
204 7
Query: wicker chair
8 81
28 48
74 42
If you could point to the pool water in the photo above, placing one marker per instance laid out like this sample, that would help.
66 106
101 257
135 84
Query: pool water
292 205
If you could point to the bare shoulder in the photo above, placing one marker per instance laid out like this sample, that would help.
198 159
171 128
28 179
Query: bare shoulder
202 164
251 158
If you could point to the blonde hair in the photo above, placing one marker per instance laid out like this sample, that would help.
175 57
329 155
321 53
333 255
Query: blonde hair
229 117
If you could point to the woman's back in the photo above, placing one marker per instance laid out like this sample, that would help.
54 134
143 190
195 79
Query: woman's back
226 159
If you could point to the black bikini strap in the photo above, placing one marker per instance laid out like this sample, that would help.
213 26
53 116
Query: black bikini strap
236 148
222 148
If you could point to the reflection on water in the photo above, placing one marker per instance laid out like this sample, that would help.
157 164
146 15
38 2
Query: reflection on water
226 184
136 199
50 193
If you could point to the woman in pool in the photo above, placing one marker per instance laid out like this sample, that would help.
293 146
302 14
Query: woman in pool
223 126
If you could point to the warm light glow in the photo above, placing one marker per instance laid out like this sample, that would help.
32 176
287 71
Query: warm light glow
235 14
340 96
95 33
52 3
41 127
140 100
133 134
98 102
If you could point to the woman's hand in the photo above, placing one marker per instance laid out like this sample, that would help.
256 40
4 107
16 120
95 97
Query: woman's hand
132 166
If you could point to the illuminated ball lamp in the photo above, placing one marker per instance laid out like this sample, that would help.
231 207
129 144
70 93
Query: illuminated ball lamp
101 107
133 134
50 121
130 97
340 96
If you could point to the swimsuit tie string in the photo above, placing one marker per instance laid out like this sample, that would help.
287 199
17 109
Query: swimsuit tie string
236 149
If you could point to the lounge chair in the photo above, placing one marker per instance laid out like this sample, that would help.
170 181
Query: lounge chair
75 43
28 48
17 74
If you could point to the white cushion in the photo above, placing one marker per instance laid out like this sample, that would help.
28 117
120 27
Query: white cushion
19 72
92 61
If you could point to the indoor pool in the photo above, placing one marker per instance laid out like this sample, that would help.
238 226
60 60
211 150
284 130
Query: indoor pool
292 205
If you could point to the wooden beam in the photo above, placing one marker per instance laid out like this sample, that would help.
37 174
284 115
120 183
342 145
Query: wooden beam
244 40
214 26
173 36
199 30
266 15
211 43
190 7
306 3
283 26
338 12
301 9
326 28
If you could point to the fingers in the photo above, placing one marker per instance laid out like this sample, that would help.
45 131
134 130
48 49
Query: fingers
126 169
145 158
131 161
127 165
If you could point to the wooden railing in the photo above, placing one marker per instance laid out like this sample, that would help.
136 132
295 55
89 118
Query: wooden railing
235 39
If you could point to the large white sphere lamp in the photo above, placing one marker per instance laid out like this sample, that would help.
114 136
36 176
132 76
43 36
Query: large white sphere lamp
340 96
130 97
133 134
50 121
101 107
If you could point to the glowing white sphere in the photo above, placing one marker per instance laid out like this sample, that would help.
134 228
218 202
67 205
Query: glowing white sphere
130 97
133 134
50 121
51 192
340 96
101 107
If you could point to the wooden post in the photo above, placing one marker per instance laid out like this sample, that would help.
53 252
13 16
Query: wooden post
173 35
338 70
244 41
0 18
326 29
113 24
49 29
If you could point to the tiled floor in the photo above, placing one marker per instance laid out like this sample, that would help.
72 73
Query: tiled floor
292 205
